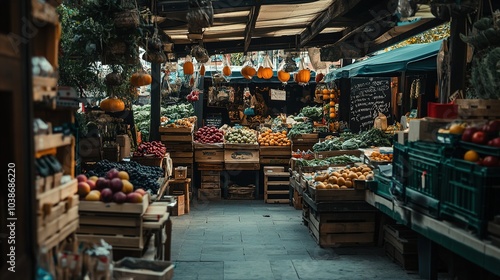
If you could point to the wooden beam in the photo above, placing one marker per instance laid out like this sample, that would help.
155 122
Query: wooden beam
336 9
252 20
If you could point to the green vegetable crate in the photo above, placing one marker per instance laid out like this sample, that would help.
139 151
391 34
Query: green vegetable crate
470 194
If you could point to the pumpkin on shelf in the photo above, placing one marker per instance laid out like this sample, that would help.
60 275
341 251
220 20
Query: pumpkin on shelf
140 78
112 104
283 76
248 72
188 66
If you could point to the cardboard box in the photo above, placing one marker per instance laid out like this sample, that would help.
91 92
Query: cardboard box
426 129
180 172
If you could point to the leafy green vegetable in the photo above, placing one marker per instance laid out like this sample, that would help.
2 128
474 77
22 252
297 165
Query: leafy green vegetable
142 119
300 128
336 160
313 113
179 111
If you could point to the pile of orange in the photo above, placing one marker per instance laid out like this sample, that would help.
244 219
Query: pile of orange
269 138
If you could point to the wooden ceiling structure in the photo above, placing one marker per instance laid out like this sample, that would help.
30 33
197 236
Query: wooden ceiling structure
341 28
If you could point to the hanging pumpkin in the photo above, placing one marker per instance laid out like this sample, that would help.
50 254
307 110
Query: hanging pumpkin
226 70
140 78
283 76
188 66
112 104
259 72
248 72
303 76
267 70
202 70
319 77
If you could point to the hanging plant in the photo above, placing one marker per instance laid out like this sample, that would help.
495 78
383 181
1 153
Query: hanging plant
200 54
154 43
128 19
155 57
267 70
113 79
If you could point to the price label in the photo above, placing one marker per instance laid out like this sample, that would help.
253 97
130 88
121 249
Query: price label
278 94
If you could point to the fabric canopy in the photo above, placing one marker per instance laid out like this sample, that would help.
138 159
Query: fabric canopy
416 57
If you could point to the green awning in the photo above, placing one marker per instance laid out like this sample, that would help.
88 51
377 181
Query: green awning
416 57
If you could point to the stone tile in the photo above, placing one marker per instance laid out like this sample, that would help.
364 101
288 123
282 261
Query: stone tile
283 269
234 270
198 270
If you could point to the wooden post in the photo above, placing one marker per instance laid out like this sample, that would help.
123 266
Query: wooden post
457 57
154 126
345 88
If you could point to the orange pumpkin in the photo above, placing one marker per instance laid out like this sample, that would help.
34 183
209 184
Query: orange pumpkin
248 72
202 70
267 73
112 104
259 72
188 68
283 76
303 76
140 79
226 71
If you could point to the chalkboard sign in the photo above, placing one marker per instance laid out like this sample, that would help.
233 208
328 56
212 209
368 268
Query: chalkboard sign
214 119
369 96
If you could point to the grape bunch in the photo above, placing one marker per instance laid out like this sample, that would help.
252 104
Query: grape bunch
155 148
141 176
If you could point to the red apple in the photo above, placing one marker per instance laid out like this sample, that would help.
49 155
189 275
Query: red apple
468 132
479 137
83 189
107 195
116 184
489 161
119 197
494 142
81 178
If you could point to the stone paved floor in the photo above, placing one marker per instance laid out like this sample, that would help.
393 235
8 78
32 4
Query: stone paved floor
253 240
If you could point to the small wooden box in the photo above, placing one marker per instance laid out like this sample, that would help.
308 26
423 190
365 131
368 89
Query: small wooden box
213 155
180 172
241 156
209 194
178 209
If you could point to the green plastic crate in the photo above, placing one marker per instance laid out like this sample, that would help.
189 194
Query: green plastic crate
470 194
400 163
424 178
383 187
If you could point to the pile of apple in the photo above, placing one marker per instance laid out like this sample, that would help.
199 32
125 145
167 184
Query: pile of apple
114 187
488 135
209 135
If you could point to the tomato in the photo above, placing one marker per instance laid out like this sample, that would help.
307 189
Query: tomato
479 137
489 161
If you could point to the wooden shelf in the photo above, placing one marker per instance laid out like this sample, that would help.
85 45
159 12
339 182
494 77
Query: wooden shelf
50 141
44 88
112 207
57 194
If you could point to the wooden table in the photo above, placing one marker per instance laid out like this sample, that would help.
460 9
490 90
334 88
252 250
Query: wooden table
166 188
163 225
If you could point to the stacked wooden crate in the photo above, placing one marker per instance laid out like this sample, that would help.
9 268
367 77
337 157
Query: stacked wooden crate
305 141
57 212
241 157
275 155
210 187
120 225
276 185
400 244
179 144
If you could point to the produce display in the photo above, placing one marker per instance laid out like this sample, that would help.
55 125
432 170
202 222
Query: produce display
483 143
141 176
377 156
349 141
183 122
142 118
343 178
300 128
209 135
178 111
113 187
269 138
314 113
153 148
241 136
307 155
336 160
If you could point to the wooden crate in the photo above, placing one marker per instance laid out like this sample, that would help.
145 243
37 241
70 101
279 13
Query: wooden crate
178 146
303 146
181 154
400 245
333 229
241 166
182 160
44 88
209 194
350 194
241 146
209 156
210 186
211 166
241 192
148 161
297 200
179 208
276 151
112 207
180 172
306 137
327 154
478 108
117 229
177 137
176 130
57 194
205 146
241 156
210 178
276 185
53 223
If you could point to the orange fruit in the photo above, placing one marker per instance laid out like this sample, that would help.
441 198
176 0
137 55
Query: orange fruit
457 129
471 156
332 115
